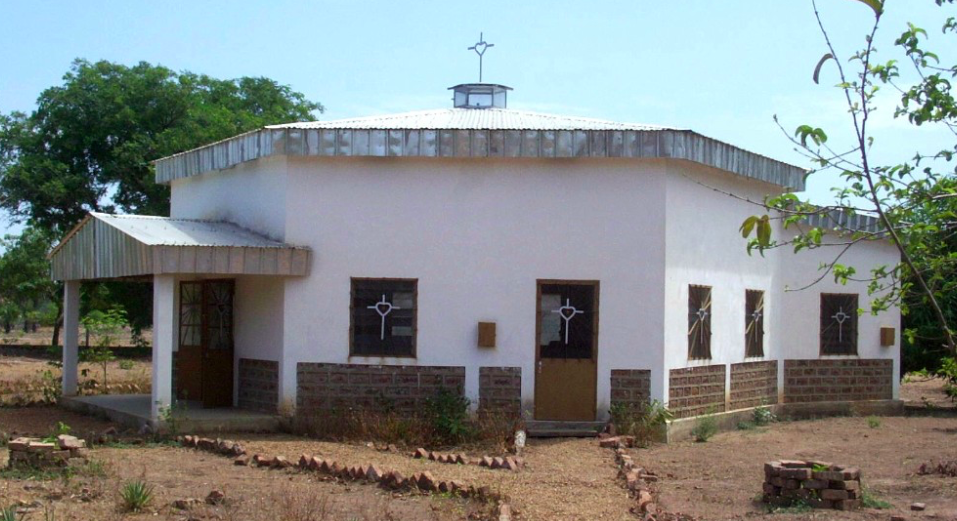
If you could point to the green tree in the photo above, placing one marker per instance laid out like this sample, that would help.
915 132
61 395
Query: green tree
89 143
914 200
25 275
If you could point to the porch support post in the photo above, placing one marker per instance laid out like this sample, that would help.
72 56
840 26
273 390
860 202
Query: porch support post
164 311
71 336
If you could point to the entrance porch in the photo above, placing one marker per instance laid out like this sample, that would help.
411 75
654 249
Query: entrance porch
193 266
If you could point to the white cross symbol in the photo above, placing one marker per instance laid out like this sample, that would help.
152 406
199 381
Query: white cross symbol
379 307
840 316
756 315
567 312
702 314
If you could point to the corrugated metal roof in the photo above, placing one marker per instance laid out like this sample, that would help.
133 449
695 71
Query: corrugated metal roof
471 119
107 246
166 231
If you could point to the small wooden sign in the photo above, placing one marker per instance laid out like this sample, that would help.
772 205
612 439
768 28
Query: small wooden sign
888 336
486 334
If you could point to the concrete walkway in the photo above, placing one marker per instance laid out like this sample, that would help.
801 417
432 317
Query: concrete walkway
133 410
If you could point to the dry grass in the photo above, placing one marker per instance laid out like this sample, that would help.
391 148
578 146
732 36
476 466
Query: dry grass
28 381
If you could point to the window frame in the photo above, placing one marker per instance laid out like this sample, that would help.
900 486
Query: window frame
747 314
856 321
710 296
415 316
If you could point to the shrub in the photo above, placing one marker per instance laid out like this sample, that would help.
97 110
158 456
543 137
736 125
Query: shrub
763 415
948 371
642 422
873 422
448 415
869 500
745 426
136 495
705 427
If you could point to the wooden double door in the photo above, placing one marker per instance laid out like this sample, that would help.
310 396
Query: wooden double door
566 350
204 362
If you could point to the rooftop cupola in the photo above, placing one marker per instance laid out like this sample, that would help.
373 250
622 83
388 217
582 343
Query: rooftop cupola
480 95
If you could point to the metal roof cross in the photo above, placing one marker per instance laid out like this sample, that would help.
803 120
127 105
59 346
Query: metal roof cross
480 47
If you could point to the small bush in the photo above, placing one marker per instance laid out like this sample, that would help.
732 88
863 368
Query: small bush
126 365
448 415
642 422
763 415
705 427
136 495
746 426
873 422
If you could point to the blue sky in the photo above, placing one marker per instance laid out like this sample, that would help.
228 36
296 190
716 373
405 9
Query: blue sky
720 68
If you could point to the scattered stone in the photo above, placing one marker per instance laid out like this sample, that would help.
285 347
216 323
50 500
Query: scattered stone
185 504
215 497
420 453
241 461
504 512
918 507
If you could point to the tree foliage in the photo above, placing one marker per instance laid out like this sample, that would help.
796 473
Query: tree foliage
25 282
914 200
89 143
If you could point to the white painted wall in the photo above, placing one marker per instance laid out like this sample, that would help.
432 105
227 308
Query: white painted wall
697 200
477 235
799 321
258 321
704 247
251 195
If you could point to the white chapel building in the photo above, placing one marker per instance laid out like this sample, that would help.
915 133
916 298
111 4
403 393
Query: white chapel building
539 264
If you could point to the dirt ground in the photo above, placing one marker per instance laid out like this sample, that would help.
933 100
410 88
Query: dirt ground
564 479
926 392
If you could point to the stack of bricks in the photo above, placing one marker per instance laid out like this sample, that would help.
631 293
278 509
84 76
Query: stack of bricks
817 484
39 454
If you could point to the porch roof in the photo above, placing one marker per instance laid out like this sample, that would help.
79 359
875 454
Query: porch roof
105 246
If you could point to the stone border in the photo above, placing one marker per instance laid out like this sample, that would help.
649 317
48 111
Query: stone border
512 463
638 481
423 482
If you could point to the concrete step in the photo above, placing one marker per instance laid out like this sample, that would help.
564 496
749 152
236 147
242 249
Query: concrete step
563 429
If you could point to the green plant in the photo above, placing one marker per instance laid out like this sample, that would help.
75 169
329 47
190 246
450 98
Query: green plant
873 422
60 428
705 427
746 426
126 365
763 415
136 495
448 414
170 417
105 327
869 500
10 514
798 506
641 421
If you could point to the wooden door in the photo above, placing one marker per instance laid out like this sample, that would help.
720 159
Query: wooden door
566 350
217 343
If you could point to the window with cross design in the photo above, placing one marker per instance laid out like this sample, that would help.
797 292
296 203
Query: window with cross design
838 324
699 322
567 319
383 317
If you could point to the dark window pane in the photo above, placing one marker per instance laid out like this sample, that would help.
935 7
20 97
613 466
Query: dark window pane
838 324
754 323
383 317
567 320
699 322
190 314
